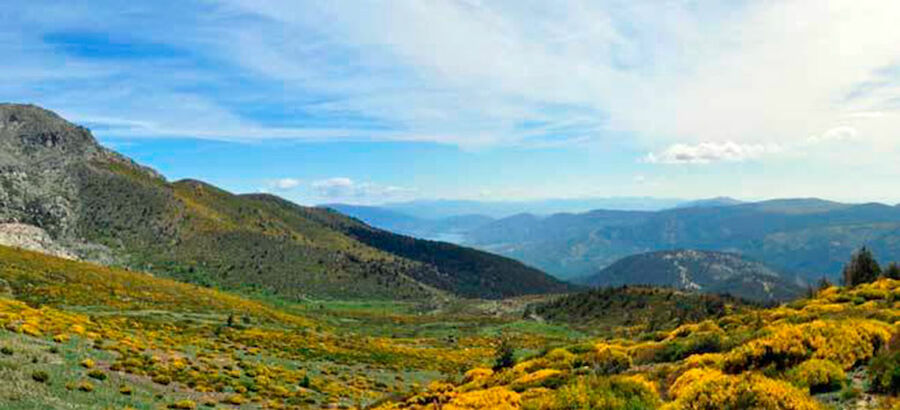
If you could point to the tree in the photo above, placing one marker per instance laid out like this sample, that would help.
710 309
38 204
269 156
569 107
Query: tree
892 271
862 268
824 283
505 355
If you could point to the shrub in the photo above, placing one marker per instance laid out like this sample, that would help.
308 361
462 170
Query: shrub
476 374
494 398
85 386
819 376
87 363
600 392
884 373
125 390
560 359
710 389
97 374
609 359
504 356
6 350
550 378
844 342
184 405
40 376
162 379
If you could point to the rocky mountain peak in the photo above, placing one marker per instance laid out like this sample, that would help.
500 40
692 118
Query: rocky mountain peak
31 133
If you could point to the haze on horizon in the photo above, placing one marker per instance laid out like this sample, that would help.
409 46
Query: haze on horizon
371 102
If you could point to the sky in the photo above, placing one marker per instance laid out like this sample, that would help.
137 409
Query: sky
382 101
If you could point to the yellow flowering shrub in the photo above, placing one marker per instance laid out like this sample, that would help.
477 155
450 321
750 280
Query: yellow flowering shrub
540 378
817 375
608 359
713 360
477 374
844 342
601 392
560 359
498 398
711 389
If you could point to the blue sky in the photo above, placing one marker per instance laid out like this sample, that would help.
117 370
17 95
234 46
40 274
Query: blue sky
373 101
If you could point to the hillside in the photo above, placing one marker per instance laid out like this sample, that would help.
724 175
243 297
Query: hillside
84 336
703 271
807 237
837 350
104 207
647 308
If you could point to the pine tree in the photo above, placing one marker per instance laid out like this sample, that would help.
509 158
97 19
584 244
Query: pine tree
892 271
862 268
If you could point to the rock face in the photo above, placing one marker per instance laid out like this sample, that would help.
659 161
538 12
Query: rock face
32 238
44 163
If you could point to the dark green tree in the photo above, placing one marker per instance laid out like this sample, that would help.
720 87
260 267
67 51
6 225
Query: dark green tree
505 355
892 271
862 268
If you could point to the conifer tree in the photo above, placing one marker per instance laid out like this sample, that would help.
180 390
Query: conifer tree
862 268
892 271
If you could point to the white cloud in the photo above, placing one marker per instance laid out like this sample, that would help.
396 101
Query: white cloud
286 183
346 189
708 152
841 133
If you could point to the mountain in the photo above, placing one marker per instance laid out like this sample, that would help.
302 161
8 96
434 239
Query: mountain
702 271
442 208
102 206
449 229
711 202
806 236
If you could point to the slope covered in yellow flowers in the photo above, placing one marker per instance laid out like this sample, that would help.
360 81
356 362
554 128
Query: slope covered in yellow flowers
75 333
809 354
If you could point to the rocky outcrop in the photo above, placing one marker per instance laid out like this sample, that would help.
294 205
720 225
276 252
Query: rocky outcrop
32 238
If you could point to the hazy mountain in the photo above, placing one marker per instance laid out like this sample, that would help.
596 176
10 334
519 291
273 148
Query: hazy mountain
810 237
102 206
710 202
702 271
437 209
448 229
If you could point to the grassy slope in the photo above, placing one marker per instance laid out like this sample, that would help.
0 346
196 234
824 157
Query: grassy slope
636 308
168 341
783 357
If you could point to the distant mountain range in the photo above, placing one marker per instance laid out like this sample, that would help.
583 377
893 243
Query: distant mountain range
443 208
98 205
701 271
449 229
808 237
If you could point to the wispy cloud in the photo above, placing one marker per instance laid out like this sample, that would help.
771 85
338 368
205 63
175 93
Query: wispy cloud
732 75
346 189
709 152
